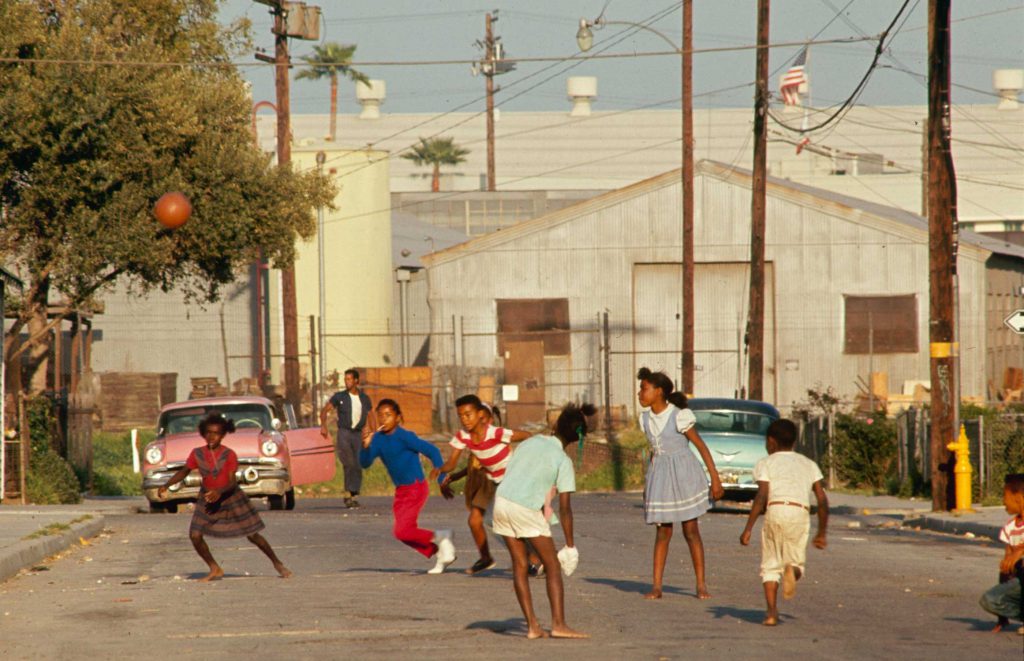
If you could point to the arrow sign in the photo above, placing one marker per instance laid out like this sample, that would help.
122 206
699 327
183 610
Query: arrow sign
1015 322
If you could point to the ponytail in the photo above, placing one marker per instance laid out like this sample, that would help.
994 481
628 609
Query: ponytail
661 381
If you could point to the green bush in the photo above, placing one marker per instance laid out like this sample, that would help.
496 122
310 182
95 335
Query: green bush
865 450
112 473
51 480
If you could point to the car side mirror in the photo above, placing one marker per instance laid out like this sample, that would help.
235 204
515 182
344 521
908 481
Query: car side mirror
275 424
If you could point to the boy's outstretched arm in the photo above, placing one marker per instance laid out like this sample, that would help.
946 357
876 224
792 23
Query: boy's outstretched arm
756 509
453 461
819 493
519 435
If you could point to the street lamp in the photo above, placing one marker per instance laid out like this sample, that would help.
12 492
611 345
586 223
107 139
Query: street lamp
585 41
321 158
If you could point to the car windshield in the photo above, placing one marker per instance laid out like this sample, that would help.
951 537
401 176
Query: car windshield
245 416
732 421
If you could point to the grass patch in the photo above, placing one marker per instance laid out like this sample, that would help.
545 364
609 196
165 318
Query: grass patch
112 473
606 478
56 528
375 483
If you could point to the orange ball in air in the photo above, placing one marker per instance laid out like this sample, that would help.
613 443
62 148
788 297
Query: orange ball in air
172 210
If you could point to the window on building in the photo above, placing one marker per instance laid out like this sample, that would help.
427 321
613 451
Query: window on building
881 324
546 319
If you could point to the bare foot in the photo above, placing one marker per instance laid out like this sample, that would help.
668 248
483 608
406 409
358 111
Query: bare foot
702 592
770 621
283 571
566 632
789 575
653 594
997 628
216 573
533 634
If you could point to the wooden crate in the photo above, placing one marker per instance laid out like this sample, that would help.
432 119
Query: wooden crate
409 386
129 400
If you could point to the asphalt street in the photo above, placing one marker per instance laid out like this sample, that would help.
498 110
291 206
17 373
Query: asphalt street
876 592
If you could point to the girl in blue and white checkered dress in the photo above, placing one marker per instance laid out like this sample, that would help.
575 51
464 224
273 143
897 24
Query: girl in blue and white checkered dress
676 487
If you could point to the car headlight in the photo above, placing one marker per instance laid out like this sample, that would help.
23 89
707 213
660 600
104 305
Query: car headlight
270 447
154 454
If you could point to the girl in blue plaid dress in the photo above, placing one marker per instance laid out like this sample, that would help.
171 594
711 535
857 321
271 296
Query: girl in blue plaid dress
676 487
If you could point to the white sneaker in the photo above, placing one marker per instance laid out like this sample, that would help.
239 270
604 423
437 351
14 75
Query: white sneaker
445 552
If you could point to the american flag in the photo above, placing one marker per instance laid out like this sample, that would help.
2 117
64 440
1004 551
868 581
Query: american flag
790 82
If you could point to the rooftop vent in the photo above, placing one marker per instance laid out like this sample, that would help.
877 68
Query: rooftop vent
370 96
582 90
1008 83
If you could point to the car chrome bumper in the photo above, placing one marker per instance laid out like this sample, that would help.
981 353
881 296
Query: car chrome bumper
254 480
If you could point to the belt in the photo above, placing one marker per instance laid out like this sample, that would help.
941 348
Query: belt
788 502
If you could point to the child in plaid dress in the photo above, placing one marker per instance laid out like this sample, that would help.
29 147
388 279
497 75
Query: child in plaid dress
223 510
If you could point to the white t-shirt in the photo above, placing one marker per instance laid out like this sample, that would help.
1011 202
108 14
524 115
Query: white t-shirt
357 410
1012 533
656 421
790 476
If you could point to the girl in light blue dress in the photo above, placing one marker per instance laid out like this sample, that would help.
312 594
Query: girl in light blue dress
676 487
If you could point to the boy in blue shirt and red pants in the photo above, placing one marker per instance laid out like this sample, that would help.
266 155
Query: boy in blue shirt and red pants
400 449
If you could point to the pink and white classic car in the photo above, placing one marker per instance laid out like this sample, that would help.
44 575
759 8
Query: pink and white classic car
273 456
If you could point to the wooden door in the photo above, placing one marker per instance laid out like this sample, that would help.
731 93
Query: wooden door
524 367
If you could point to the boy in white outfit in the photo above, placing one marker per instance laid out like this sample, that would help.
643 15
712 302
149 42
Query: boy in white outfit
785 480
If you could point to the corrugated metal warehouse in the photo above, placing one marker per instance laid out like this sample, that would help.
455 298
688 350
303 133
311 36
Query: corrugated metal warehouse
846 293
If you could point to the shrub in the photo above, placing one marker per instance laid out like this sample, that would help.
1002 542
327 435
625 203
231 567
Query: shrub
865 450
112 473
51 480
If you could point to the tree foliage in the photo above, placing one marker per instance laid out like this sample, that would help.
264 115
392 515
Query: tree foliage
110 105
436 152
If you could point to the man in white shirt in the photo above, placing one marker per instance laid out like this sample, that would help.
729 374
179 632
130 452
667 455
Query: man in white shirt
354 410
785 480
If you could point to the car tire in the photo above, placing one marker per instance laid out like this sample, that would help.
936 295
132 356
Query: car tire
289 499
275 502
163 508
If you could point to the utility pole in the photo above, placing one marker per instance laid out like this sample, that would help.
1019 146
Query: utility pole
489 71
687 130
942 249
284 156
755 319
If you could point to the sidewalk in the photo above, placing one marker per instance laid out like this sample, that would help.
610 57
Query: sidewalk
31 533
916 513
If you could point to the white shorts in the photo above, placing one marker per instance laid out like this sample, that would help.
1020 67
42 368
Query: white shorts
514 520
783 540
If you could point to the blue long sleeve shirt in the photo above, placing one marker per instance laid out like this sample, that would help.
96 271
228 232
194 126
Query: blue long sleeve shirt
400 451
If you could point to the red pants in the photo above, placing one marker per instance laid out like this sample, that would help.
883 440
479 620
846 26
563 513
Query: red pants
409 500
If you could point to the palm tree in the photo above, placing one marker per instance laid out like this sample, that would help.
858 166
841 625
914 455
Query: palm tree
436 152
330 59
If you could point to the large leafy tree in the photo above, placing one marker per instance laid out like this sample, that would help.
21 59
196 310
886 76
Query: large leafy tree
328 61
436 152
109 105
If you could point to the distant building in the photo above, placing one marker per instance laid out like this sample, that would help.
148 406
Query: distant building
846 293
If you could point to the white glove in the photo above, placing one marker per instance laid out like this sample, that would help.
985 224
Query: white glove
569 558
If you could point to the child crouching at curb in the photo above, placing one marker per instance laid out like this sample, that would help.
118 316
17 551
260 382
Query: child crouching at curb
399 449
784 482
537 465
1006 600
222 510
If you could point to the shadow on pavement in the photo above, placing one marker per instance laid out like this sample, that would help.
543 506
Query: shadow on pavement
512 626
636 586
976 624
754 616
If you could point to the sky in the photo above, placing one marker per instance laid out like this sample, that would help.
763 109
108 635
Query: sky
985 36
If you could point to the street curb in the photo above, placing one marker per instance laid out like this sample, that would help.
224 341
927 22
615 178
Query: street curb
955 526
28 552
849 510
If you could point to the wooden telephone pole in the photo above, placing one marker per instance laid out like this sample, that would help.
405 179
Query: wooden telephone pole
942 249
687 184
755 318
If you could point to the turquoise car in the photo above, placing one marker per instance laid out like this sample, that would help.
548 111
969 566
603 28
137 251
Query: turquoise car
733 430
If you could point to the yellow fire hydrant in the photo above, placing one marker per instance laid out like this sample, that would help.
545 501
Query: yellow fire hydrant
962 470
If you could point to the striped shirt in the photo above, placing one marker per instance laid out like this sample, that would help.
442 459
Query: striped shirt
493 452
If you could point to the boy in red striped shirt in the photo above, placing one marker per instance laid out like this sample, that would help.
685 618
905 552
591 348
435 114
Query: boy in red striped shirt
490 446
